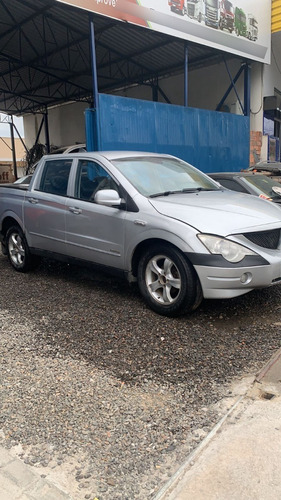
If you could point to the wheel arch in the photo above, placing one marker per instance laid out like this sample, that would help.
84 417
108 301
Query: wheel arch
143 245
9 221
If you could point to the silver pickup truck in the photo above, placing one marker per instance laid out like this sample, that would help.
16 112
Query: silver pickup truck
152 217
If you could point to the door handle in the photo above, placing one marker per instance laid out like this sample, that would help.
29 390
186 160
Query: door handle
75 210
33 200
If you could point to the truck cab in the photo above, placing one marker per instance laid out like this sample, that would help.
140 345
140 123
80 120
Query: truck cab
212 13
252 27
178 6
196 9
240 22
226 15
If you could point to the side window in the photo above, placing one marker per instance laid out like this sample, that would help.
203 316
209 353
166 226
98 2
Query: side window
91 177
55 177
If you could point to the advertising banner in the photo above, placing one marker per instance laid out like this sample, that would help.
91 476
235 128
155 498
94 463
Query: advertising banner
241 27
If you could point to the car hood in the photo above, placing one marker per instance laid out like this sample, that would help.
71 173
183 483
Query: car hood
220 212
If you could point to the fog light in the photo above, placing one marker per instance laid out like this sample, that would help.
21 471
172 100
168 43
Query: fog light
246 278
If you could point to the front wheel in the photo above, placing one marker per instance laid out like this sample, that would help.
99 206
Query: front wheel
167 281
17 249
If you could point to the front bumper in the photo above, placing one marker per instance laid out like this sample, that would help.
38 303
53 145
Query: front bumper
225 281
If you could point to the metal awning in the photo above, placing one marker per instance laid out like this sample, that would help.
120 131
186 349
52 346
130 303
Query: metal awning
45 55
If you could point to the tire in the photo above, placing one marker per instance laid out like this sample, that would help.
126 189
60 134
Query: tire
4 249
17 249
198 296
167 282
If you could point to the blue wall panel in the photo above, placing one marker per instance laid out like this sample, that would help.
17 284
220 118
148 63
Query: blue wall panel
210 140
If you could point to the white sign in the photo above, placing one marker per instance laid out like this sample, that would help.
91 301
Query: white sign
5 118
241 27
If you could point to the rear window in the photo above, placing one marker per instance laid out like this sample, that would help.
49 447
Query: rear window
232 184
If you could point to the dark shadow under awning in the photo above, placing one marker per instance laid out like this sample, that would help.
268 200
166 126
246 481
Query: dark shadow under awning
45 55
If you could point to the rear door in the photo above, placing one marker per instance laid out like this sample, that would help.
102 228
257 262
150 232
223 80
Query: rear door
45 207
94 232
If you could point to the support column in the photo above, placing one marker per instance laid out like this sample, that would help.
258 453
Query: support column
47 137
93 138
247 89
13 149
155 91
186 74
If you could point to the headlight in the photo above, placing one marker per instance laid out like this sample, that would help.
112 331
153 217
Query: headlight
233 252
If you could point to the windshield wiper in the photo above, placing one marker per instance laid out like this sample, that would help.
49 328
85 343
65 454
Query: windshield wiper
196 190
164 193
185 190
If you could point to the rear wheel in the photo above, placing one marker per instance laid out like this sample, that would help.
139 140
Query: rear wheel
17 249
167 281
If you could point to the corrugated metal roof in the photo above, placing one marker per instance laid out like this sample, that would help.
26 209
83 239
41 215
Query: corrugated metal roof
45 55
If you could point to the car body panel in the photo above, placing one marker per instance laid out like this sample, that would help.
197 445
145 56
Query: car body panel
95 233
45 221
204 211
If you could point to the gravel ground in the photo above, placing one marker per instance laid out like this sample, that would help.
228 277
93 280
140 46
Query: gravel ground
106 397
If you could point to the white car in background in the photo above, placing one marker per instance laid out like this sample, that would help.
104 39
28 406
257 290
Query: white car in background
74 148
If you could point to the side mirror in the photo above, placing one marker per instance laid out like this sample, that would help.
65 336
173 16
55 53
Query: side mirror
108 197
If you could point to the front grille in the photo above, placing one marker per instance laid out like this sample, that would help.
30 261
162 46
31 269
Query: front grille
265 239
212 15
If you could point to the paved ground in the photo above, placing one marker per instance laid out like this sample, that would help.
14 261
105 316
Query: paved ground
240 459
21 482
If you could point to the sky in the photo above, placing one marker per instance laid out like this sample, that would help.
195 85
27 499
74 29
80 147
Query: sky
5 127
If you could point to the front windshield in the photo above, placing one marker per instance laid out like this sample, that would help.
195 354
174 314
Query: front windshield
263 186
153 176
228 6
212 3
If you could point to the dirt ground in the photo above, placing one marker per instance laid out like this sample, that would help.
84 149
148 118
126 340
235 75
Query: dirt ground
106 397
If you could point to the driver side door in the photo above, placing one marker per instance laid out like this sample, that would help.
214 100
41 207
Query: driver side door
94 232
